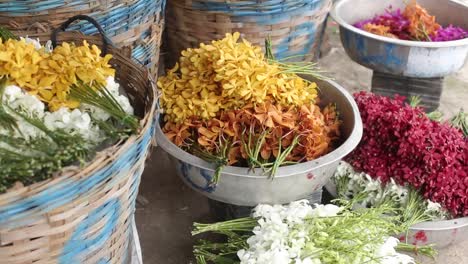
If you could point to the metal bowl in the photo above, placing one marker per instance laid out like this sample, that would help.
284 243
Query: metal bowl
439 233
239 186
402 57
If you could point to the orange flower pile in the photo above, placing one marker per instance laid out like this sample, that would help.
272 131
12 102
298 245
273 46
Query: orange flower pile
316 130
421 24
380 30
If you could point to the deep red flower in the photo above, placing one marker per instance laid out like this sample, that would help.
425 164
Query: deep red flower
400 142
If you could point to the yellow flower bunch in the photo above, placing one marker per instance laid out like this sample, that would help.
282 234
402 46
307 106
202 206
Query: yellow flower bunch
19 61
51 75
225 75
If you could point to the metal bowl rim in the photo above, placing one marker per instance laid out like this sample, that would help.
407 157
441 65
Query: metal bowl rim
447 224
409 43
285 171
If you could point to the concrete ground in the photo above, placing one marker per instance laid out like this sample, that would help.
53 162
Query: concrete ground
167 208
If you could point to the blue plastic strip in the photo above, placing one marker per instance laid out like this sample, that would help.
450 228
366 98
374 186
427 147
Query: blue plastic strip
79 244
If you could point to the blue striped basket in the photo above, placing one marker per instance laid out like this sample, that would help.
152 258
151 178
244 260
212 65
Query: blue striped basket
295 26
83 214
134 23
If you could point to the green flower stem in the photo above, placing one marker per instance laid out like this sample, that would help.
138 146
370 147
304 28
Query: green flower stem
281 158
268 49
100 97
220 159
303 68
435 115
37 159
414 210
414 101
6 34
460 121
245 224
111 130
204 257
253 159
427 250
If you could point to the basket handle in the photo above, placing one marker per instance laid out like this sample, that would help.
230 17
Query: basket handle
105 40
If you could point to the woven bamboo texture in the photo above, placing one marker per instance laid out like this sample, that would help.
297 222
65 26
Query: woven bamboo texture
295 26
134 23
83 214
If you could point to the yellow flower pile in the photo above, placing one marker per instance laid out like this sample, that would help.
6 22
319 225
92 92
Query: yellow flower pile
225 75
51 75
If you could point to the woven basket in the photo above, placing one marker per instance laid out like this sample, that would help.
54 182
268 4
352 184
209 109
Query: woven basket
295 26
83 214
134 23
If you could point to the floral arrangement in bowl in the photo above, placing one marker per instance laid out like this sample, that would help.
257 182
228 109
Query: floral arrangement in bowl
403 144
58 107
407 158
370 192
413 23
230 104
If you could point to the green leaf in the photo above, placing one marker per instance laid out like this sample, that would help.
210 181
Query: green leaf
6 34
460 121
268 49
414 101
435 115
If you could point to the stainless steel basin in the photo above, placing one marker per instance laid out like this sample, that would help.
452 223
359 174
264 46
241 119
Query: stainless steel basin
402 57
239 186
441 234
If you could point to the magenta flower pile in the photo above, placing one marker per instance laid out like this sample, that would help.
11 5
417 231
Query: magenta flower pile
450 33
396 23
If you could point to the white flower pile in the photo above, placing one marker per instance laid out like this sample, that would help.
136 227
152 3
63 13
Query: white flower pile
76 121
386 254
376 191
282 236
359 182
17 99
73 122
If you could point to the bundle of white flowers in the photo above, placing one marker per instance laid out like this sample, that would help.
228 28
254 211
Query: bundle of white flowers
372 192
299 233
74 121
